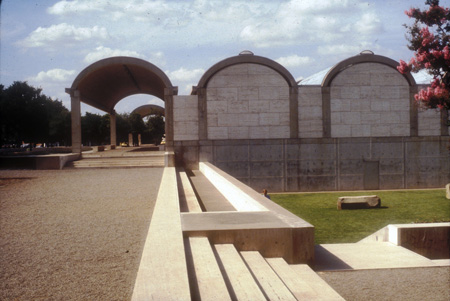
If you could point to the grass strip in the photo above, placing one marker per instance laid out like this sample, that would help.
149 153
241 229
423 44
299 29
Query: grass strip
348 226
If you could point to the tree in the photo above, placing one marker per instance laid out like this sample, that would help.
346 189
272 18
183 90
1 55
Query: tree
156 127
29 116
123 127
90 129
137 126
429 39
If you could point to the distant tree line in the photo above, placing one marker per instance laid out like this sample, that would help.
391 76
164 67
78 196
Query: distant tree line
29 116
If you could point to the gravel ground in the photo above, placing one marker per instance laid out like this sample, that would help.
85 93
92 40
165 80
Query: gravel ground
428 283
79 234
73 234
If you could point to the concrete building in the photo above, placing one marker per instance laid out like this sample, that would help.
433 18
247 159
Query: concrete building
353 126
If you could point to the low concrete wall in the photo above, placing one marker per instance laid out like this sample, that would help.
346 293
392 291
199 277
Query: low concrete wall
258 225
162 273
229 187
40 162
320 164
431 240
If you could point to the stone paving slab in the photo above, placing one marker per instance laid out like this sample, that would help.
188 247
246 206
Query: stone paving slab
358 256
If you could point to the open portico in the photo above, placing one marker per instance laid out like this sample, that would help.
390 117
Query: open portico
106 82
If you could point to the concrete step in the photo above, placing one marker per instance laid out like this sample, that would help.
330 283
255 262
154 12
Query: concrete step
122 162
299 287
204 268
273 287
220 272
242 285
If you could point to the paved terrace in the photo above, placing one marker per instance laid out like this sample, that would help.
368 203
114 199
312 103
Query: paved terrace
64 232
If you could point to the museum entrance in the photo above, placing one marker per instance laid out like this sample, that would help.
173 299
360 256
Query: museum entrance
106 82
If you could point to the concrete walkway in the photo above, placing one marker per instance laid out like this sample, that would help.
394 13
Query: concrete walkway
369 255
121 157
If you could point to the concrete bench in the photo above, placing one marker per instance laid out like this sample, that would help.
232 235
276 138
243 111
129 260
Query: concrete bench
188 199
234 255
162 273
358 202
256 224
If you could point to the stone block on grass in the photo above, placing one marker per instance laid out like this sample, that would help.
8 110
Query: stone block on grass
447 191
358 202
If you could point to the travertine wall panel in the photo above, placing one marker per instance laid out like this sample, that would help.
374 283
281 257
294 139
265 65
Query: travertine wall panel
185 115
310 123
247 101
429 123
369 100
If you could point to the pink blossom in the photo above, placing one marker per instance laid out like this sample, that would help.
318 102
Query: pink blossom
410 12
446 52
428 37
403 67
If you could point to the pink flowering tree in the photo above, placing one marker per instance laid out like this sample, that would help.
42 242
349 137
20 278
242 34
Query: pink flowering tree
429 38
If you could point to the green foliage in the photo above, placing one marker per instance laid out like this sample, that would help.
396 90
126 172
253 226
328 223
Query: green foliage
347 226
156 128
123 127
429 38
91 131
29 116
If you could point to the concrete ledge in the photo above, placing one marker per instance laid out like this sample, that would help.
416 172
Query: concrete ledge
431 240
258 225
40 162
230 189
162 273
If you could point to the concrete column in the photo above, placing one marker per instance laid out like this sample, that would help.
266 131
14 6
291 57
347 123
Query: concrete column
139 139
444 123
75 112
202 115
168 99
326 112
112 128
130 139
413 113
293 112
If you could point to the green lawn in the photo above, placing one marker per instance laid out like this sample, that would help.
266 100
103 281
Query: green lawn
346 226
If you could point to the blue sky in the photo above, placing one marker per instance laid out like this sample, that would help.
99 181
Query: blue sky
48 42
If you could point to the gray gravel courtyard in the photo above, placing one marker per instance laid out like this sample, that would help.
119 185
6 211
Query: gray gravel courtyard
73 234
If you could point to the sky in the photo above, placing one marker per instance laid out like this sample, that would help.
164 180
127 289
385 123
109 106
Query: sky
48 42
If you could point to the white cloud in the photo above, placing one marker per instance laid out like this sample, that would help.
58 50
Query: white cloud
294 61
69 7
341 50
310 21
138 10
102 52
185 79
63 34
185 75
53 75
368 23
